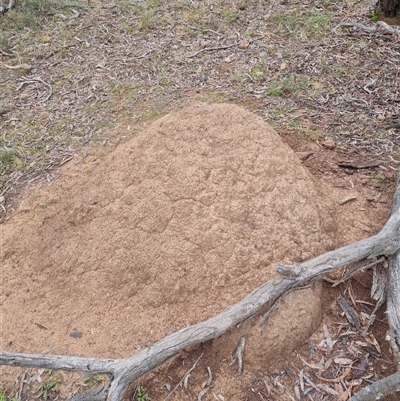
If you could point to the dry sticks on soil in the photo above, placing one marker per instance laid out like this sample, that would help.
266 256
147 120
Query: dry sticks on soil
34 81
209 49
122 372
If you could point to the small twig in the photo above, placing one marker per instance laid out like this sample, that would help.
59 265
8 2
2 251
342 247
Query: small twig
350 313
65 161
239 354
209 380
139 57
17 67
21 386
337 379
42 326
210 49
360 164
370 83
255 39
347 199
202 392
184 377
61 16
76 14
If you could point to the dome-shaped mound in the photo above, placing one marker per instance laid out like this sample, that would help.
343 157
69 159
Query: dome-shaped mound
171 228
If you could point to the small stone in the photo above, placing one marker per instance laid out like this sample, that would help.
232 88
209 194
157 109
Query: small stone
75 334
243 44
227 60
329 143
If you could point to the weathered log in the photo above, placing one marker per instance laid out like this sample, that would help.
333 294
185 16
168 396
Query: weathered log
370 29
393 305
123 372
380 389
393 299
390 384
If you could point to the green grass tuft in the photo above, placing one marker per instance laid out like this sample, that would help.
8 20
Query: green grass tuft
230 15
9 160
30 13
141 394
312 25
5 397
288 85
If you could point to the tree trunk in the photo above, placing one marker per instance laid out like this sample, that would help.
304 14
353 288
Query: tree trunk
390 8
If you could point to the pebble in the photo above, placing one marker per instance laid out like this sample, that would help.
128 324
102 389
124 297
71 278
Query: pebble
243 44
75 334
329 143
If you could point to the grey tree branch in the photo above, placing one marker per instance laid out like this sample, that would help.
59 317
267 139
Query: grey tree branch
393 305
370 29
123 372
393 298
380 389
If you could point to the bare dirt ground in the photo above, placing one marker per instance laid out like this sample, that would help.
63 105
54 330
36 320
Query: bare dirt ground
99 77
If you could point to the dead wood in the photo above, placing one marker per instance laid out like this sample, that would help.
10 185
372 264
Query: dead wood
123 372
393 298
370 29
380 389
390 384
393 304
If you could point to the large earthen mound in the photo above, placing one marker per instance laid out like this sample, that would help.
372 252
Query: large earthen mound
171 228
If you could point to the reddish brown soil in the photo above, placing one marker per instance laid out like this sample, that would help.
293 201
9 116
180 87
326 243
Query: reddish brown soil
172 227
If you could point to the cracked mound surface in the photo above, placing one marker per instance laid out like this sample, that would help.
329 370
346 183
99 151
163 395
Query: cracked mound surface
171 228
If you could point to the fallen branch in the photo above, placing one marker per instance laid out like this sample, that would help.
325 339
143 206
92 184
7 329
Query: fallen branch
393 299
380 389
123 372
369 29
